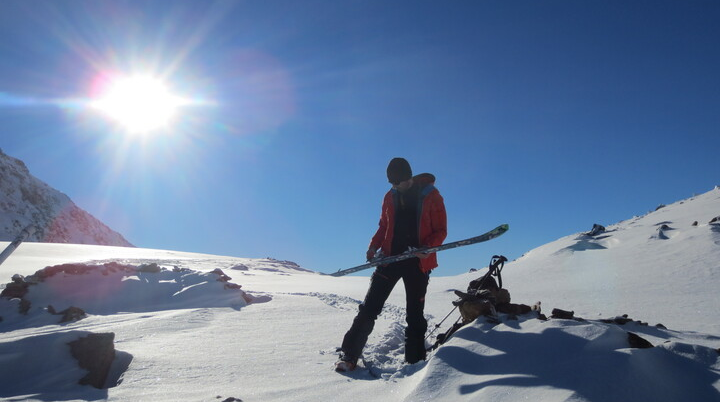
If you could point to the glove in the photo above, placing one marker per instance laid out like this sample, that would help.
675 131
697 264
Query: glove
371 253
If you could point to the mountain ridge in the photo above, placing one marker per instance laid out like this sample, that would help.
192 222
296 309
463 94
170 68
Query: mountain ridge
26 200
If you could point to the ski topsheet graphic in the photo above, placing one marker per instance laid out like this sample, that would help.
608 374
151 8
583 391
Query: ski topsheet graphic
410 254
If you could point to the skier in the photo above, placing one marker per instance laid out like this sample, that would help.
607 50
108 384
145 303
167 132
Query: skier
413 215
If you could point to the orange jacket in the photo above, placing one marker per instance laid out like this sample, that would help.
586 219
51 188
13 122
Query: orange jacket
432 225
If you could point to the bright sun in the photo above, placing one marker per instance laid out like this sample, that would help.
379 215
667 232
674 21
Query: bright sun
139 103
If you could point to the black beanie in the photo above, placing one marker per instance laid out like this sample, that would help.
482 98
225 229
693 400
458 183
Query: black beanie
398 170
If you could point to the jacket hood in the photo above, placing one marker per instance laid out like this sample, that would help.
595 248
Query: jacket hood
424 179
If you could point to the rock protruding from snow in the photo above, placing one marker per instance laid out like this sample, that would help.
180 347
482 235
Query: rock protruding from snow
26 200
95 353
50 365
662 232
596 230
70 314
638 342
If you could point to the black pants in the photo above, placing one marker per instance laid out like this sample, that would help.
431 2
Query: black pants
382 283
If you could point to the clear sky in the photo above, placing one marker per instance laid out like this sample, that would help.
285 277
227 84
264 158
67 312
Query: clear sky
546 115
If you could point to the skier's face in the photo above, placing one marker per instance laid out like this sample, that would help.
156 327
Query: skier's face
403 185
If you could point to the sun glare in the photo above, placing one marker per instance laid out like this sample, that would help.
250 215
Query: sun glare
140 104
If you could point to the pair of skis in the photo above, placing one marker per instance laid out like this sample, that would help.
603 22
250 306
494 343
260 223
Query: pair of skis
498 231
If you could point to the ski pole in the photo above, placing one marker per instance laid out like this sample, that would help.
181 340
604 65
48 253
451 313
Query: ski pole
440 323
27 232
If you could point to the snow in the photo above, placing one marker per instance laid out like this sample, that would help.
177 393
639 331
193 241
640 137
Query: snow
185 333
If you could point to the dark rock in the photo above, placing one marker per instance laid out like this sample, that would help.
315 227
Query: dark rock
24 306
221 274
15 290
658 325
695 223
661 232
72 314
512 308
152 268
637 342
69 314
94 353
596 230
621 320
542 317
562 314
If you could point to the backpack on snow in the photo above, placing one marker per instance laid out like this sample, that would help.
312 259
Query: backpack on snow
484 297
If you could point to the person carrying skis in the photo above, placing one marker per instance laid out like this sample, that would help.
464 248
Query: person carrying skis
413 215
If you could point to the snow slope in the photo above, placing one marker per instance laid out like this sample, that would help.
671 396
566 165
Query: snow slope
659 267
182 334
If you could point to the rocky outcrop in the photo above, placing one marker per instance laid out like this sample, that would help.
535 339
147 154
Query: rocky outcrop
95 353
26 200
596 230
96 279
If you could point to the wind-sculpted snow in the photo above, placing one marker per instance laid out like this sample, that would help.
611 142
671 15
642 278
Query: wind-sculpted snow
112 288
583 245
567 360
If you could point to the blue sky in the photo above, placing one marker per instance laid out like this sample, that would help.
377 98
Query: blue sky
547 115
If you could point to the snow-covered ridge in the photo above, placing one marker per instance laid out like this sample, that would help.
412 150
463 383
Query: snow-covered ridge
698 215
26 200
671 253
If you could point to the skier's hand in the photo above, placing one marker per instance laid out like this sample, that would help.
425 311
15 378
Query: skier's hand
371 253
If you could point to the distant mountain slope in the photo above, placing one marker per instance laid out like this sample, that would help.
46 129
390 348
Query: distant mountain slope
26 200
670 254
